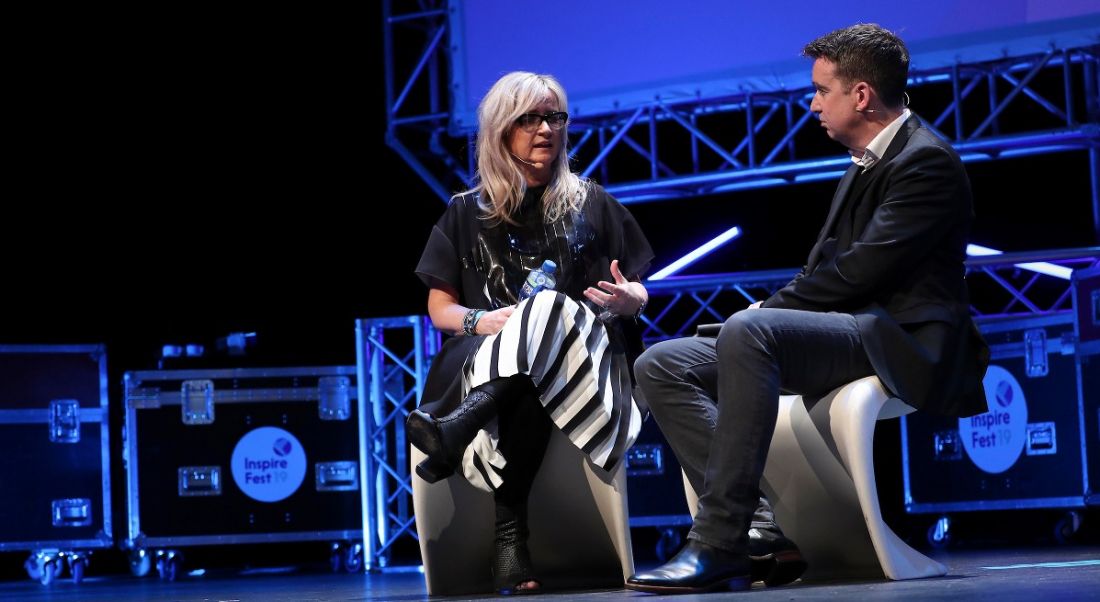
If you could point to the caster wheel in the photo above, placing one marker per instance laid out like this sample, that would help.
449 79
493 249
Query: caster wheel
34 571
140 563
169 565
49 572
172 569
76 568
336 558
939 534
1067 527
353 558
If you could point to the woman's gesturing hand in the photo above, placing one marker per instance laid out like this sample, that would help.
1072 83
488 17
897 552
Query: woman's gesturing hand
622 297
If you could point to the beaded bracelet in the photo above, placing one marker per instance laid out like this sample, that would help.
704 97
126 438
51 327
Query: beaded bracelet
470 320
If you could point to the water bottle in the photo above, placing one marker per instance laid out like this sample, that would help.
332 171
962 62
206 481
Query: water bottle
540 279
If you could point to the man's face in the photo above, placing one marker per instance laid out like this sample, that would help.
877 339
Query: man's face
834 103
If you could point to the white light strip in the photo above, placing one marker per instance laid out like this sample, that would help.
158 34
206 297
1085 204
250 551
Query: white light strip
1040 267
697 254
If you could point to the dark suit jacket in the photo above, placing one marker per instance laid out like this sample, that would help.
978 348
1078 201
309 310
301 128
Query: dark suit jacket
891 254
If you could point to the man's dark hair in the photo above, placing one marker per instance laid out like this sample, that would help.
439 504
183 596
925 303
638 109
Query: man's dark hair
866 52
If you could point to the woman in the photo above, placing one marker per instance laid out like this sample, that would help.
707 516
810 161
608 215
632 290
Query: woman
518 369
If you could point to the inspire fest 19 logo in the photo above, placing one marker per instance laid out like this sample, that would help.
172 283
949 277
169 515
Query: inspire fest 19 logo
269 464
995 439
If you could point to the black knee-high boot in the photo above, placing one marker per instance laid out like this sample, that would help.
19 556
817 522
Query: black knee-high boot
444 439
525 430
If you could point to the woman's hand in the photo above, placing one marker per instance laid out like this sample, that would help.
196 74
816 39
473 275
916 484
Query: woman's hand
622 297
448 315
492 322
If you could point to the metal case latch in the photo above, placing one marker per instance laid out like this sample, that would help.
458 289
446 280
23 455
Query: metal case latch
947 445
337 476
200 480
1042 439
197 399
143 397
1035 353
64 420
334 397
71 512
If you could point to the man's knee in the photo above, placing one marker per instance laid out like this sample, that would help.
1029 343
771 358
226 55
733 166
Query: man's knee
653 365
743 331
739 324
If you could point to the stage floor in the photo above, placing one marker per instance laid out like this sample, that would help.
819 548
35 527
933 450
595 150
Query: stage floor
1003 575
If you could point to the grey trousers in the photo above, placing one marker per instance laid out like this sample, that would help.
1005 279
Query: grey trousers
716 402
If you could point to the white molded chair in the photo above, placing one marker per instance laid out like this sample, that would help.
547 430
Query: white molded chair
820 478
580 535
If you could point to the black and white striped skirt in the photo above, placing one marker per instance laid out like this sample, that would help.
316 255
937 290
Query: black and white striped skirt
581 379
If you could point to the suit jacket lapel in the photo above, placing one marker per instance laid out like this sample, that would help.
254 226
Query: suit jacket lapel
898 143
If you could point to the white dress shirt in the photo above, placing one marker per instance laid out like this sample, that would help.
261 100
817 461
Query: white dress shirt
880 143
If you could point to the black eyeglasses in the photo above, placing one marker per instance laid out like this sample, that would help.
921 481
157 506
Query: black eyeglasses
531 122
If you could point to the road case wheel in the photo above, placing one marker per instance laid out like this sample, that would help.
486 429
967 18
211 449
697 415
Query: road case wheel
76 568
939 534
353 558
49 572
141 562
1067 527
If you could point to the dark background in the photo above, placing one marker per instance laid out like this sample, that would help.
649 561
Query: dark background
197 175
185 176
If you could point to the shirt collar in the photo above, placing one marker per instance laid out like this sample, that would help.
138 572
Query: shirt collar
880 143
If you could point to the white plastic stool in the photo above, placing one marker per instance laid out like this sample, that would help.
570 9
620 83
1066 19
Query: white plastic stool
820 479
580 534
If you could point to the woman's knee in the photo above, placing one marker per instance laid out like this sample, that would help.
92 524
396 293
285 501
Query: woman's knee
551 296
544 302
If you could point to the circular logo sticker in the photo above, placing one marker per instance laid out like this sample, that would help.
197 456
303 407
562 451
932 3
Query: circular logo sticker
995 439
269 464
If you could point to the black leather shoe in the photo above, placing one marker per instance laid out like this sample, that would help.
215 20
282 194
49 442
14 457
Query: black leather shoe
776 560
696 568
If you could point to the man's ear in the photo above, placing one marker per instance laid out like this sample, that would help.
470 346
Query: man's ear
863 93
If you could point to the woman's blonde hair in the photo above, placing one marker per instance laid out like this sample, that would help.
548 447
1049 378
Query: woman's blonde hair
500 180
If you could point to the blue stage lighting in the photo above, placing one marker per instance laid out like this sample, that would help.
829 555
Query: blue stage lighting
697 254
1040 267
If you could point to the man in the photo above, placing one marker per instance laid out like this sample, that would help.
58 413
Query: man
881 293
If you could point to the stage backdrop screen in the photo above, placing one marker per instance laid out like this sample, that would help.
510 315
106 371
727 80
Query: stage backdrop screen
614 54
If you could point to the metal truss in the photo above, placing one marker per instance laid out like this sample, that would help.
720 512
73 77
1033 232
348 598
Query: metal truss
392 359
765 145
677 149
1008 285
680 303
417 105
1001 285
